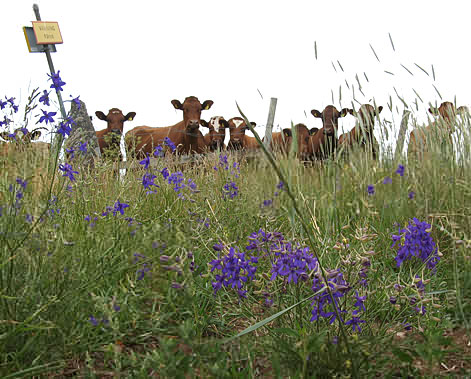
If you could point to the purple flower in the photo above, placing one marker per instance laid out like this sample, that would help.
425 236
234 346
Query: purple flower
3 104
387 180
230 190
145 162
93 321
148 180
417 243
47 116
236 269
45 98
165 173
76 101
168 142
65 127
119 207
370 189
411 195
267 203
22 183
355 323
57 82
159 151
218 246
83 147
359 303
400 170
68 171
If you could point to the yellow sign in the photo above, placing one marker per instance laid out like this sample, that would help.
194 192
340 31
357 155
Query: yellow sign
47 32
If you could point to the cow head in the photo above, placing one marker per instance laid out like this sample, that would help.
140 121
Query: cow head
115 120
217 131
366 116
330 118
446 113
192 108
21 135
237 129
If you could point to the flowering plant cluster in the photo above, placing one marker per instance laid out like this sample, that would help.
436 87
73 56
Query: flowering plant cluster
415 241
236 269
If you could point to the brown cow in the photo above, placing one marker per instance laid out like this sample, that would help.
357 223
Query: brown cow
214 140
436 134
281 141
324 141
109 139
362 133
21 139
142 140
20 148
238 140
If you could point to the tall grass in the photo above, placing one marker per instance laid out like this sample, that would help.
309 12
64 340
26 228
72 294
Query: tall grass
230 267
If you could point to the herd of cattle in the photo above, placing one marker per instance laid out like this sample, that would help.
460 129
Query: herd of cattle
312 143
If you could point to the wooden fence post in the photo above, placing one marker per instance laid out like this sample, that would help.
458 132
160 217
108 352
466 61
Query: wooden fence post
402 134
271 119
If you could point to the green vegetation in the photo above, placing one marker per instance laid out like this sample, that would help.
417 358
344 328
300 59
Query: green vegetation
231 266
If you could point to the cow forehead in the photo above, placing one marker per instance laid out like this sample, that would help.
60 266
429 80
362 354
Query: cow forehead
237 122
115 111
215 122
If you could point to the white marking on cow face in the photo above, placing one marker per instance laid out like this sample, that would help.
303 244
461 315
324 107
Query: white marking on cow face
215 123
238 123
116 112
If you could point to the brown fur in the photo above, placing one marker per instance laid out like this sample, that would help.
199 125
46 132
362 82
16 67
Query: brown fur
109 138
437 132
185 134
237 138
324 141
362 132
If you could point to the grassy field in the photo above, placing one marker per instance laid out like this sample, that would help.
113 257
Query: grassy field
235 268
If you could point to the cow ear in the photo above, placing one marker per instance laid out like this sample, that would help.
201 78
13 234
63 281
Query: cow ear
351 111
177 105
253 124
207 104
204 123
380 108
313 131
5 136
130 116
344 112
34 135
100 115
462 110
287 132
316 113
433 111
224 123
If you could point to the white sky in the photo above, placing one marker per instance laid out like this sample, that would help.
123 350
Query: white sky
139 55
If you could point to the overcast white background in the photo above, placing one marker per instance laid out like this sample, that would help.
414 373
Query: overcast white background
139 55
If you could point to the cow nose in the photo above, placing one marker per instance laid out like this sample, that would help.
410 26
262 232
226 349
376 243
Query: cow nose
193 124
116 131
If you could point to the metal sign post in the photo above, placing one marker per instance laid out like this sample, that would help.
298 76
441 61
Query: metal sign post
42 38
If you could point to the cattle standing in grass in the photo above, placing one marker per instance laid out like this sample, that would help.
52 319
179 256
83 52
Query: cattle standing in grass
281 141
324 141
21 139
238 140
362 133
214 140
188 139
437 135
109 139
